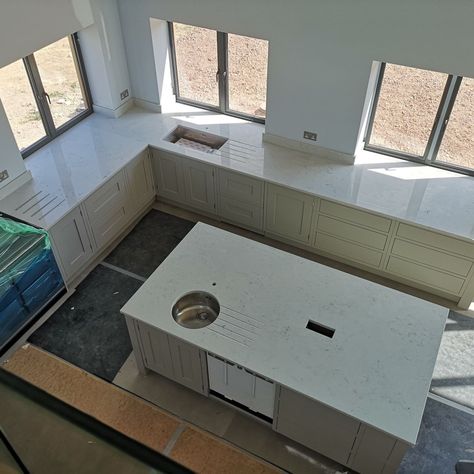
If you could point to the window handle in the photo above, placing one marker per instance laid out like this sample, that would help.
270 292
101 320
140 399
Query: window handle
218 74
46 96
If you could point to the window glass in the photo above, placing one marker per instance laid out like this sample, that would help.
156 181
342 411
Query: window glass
406 109
60 81
196 63
247 74
20 105
457 145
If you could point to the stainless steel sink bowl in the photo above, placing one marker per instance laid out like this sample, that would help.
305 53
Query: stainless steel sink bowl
196 310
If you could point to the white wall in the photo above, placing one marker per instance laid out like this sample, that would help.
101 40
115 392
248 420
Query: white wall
10 157
28 25
104 56
321 51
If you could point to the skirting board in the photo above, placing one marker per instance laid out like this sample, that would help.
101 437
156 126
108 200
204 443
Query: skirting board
15 183
315 150
113 113
150 106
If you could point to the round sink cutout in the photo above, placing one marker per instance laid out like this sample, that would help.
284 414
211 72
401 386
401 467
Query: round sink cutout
196 310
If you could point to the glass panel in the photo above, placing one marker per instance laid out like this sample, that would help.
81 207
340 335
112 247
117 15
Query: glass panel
406 109
60 80
247 74
20 105
457 145
196 63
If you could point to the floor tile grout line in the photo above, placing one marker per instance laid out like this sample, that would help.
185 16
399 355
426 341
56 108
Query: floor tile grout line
450 403
121 270
173 439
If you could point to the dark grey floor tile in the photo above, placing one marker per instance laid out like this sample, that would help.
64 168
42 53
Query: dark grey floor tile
453 376
152 240
446 436
88 329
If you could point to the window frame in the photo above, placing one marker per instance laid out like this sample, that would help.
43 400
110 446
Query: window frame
41 97
438 128
221 75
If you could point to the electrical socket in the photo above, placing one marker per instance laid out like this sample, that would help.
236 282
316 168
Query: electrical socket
310 135
124 94
3 175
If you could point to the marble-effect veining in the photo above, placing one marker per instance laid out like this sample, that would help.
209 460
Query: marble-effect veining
77 162
377 367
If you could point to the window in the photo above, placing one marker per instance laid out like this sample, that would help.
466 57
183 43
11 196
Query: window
45 93
220 71
423 116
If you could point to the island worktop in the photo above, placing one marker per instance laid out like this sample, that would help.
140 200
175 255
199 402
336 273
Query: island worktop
376 367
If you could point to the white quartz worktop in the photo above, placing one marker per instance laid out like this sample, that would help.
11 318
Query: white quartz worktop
76 163
376 368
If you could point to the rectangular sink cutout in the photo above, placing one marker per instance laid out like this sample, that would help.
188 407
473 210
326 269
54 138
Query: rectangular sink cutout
321 329
195 139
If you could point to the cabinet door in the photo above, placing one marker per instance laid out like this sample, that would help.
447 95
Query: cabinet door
241 213
169 175
241 188
315 425
199 185
376 452
71 244
108 210
288 213
140 181
188 363
156 350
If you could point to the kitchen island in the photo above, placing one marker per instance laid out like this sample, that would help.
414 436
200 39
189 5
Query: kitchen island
350 361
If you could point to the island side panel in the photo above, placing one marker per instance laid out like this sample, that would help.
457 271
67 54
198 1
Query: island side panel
375 452
315 425
132 327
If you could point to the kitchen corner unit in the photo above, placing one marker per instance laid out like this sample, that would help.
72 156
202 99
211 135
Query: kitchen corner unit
335 362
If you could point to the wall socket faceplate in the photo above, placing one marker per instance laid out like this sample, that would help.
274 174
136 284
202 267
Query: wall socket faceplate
124 94
310 136
3 175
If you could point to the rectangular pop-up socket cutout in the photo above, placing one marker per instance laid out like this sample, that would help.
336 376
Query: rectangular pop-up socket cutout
321 329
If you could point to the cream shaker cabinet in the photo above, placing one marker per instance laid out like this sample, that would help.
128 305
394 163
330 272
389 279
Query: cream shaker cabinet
140 182
108 210
169 356
288 213
199 187
315 425
71 243
169 176
240 200
184 181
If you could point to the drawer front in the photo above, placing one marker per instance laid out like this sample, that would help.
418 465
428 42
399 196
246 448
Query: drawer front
431 257
348 250
109 227
108 198
241 187
434 239
107 210
245 214
427 276
316 426
353 215
351 232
